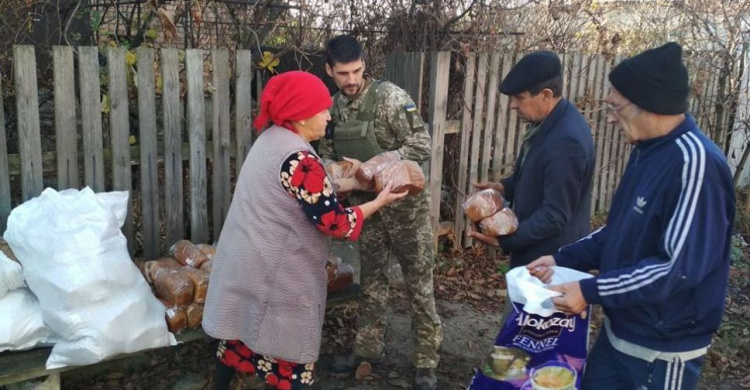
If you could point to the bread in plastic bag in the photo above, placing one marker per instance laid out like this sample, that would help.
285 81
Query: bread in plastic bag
208 250
152 267
502 223
405 175
343 277
177 319
340 169
21 325
199 278
194 313
483 204
174 287
367 171
11 275
75 260
186 253
207 266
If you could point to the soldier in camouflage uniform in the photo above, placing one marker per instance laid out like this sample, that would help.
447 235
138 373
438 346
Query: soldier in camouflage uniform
370 117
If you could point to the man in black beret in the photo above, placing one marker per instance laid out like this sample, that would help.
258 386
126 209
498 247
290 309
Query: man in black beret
550 188
663 257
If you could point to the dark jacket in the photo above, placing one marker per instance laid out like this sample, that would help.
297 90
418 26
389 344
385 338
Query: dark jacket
663 257
551 192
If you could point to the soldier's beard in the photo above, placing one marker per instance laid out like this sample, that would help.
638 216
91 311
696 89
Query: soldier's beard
351 90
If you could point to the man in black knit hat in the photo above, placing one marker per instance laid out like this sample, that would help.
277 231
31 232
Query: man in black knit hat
663 257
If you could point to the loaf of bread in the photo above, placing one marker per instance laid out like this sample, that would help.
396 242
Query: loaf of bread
483 204
151 268
208 250
199 278
207 266
367 171
340 170
405 175
177 319
343 277
174 287
502 223
187 253
194 312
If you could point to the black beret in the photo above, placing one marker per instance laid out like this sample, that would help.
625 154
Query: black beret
531 70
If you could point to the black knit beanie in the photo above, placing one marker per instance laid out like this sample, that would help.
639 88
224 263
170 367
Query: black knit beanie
655 80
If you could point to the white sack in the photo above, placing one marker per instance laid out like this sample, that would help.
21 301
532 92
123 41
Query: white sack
75 260
24 328
11 275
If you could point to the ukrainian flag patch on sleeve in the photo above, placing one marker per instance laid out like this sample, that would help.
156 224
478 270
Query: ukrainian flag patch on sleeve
410 107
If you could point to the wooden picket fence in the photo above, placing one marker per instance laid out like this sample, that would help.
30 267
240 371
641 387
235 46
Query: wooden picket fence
176 155
160 198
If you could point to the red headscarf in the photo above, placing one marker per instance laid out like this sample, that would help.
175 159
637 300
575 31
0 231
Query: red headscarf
292 96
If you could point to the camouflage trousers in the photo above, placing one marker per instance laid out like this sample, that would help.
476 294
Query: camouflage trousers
402 230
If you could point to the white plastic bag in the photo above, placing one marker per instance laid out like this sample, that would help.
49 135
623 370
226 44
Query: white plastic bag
11 275
25 328
75 260
533 294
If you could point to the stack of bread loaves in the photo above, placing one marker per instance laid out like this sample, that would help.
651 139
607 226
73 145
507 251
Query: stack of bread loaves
487 207
181 282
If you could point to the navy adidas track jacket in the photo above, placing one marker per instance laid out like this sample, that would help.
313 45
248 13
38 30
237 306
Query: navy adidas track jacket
664 254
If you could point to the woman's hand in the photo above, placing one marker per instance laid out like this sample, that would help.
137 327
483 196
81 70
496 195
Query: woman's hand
386 197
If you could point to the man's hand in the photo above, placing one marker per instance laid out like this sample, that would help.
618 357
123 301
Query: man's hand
488 184
572 301
489 240
542 268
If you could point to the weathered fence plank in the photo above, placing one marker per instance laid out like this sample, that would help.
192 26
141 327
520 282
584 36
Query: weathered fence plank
439 78
464 187
243 121
220 164
197 134
119 124
91 117
500 166
479 110
5 197
489 125
172 110
27 112
149 165
66 128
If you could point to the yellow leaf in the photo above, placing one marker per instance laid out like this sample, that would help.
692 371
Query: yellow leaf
132 140
130 58
105 104
268 61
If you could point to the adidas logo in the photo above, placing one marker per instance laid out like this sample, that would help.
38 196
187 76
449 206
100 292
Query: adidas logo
640 203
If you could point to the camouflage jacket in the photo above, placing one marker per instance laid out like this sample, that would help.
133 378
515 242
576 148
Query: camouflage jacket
393 129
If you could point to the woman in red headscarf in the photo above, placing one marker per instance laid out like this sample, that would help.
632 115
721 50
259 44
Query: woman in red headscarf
267 292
